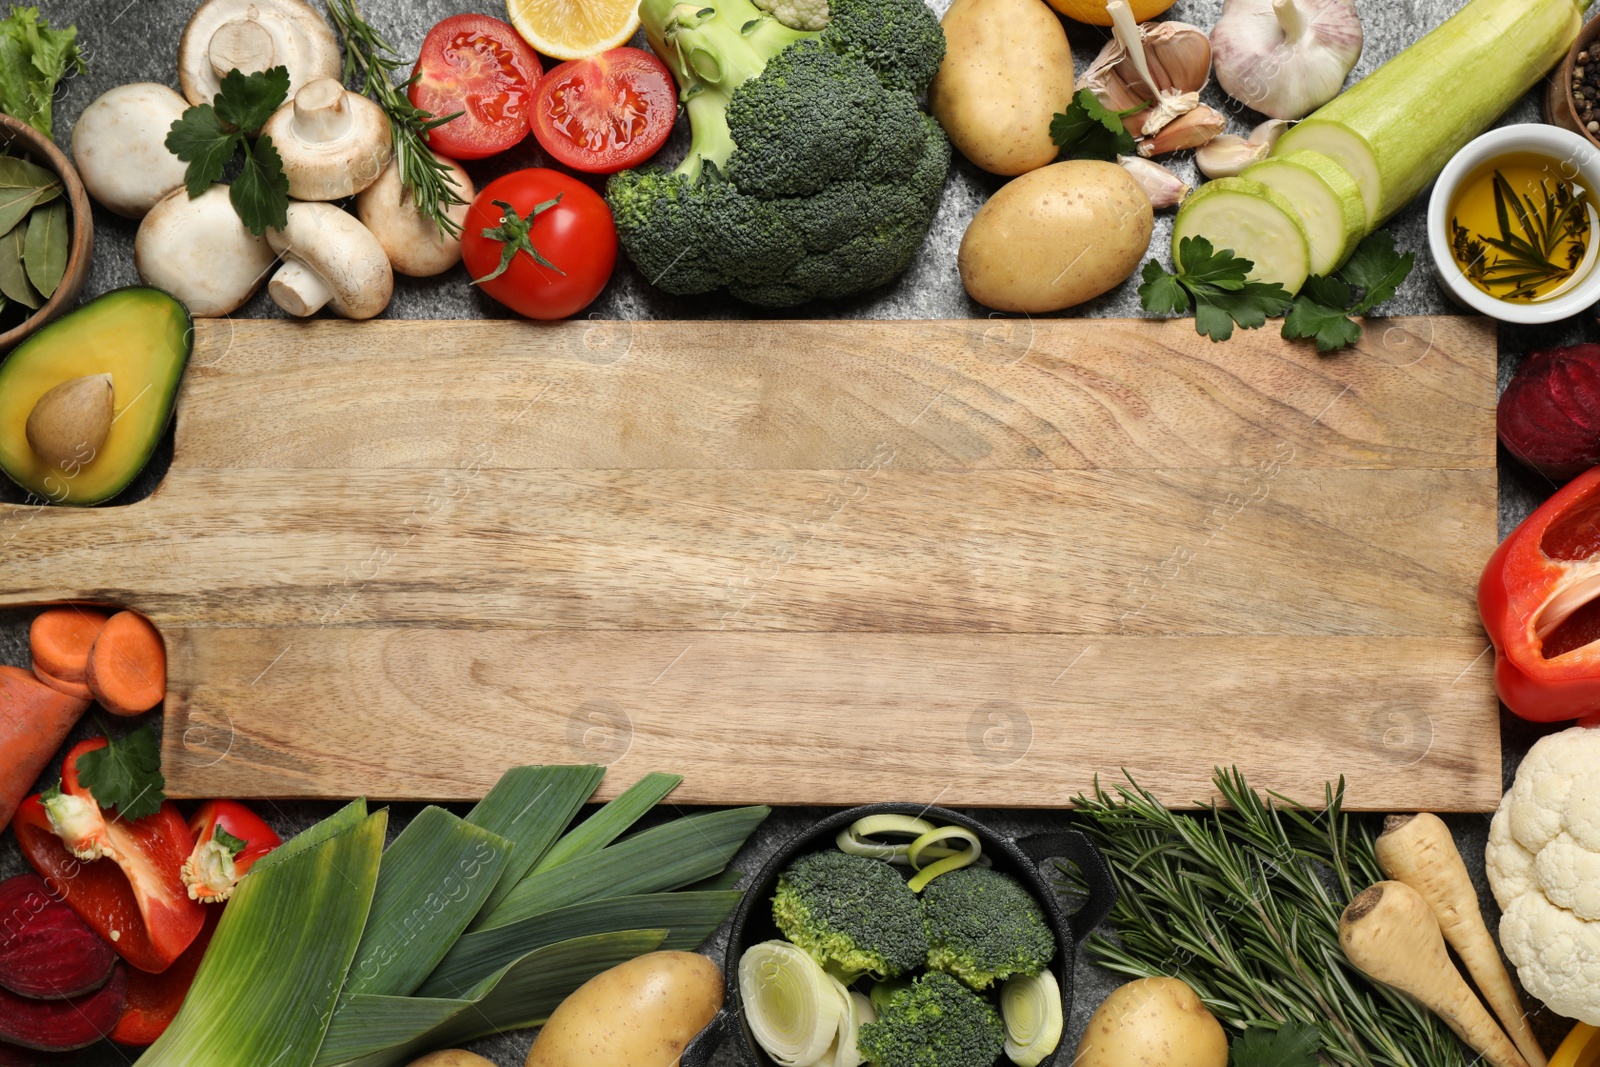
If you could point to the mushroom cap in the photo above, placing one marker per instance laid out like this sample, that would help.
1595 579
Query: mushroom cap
414 244
119 147
201 253
342 252
254 35
334 143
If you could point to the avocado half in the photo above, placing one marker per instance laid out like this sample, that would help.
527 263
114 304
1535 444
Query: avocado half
140 336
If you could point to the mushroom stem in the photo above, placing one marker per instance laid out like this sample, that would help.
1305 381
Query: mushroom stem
319 111
242 44
1290 18
298 289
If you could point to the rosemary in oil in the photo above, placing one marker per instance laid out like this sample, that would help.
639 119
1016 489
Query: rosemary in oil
1520 231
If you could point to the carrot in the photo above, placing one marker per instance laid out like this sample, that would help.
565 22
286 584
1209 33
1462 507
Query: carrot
1419 851
1389 933
61 685
34 720
60 640
128 665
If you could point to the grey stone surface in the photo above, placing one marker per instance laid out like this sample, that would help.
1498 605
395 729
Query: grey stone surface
135 40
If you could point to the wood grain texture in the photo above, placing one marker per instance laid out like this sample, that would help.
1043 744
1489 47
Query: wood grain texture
812 562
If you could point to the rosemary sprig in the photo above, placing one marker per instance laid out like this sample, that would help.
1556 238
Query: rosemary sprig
1532 230
1242 902
430 182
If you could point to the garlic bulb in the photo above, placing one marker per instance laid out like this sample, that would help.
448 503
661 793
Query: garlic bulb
1229 154
1285 58
1164 188
1164 64
1190 130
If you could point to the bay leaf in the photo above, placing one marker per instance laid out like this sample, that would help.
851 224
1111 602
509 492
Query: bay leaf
13 278
15 203
50 192
44 249
20 174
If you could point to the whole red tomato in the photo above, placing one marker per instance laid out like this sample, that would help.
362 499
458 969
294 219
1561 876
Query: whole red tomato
552 243
481 67
607 112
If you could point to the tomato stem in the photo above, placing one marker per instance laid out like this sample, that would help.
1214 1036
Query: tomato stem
514 236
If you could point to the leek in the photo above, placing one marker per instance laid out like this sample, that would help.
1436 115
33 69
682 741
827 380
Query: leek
952 860
530 807
793 1007
1031 1008
611 821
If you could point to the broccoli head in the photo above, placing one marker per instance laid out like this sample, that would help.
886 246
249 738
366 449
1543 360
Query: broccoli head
934 1022
811 172
983 926
854 914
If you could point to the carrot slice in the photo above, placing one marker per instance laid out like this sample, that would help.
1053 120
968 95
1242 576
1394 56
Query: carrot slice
60 640
128 665
34 720
61 685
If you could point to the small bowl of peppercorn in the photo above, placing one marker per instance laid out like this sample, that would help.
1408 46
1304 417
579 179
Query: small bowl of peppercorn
1572 100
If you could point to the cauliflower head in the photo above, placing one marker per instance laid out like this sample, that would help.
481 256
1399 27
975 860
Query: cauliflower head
797 14
1543 862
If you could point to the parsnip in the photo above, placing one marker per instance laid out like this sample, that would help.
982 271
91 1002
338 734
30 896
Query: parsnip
1389 933
1419 851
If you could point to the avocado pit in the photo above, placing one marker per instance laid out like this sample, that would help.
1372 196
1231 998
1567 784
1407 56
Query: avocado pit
70 422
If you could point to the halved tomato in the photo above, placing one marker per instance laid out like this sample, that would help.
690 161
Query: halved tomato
481 67
605 113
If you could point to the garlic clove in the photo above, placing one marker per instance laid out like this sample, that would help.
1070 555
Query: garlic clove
1149 64
1179 56
1268 132
1168 108
1229 154
1190 130
1164 188
1285 58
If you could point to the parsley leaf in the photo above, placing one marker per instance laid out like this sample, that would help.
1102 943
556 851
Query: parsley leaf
1325 307
209 136
1090 130
126 774
1292 1045
1217 282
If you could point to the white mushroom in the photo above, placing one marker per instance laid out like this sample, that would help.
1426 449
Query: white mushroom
201 253
414 244
119 146
253 35
329 259
334 143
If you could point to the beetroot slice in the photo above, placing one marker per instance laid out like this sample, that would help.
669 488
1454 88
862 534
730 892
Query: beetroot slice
59 1025
46 951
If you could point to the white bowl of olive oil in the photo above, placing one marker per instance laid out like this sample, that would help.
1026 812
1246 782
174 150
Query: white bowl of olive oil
1512 224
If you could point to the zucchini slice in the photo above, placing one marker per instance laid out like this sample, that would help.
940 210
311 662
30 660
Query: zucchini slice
1256 223
1327 199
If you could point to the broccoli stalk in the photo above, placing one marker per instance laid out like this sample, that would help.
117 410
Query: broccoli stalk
711 51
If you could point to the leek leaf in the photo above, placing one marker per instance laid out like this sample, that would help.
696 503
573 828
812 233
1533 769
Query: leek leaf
345 818
668 856
689 919
530 807
611 821
300 918
378 1032
434 879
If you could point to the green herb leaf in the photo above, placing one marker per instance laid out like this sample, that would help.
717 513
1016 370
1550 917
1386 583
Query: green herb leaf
1292 1045
200 140
234 845
1332 327
13 277
1324 308
1162 292
126 774
260 194
44 249
1218 282
23 187
33 60
1090 130
247 101
1378 269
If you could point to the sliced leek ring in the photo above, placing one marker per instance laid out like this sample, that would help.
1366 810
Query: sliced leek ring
857 838
953 859
1031 1008
792 1005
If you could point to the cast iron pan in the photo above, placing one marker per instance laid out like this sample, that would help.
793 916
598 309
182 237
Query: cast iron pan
1027 860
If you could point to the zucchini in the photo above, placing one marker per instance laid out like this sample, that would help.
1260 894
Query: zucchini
1394 130
1327 199
1254 222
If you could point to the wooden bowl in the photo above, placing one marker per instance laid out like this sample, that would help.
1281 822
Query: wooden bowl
1558 110
18 138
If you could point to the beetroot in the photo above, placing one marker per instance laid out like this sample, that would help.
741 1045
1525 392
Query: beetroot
57 1025
46 951
1549 415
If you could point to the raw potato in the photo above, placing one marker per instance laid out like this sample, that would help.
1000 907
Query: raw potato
1056 237
638 1014
451 1057
1007 70
1153 1022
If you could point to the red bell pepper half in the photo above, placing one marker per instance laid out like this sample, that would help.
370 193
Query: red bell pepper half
228 839
154 999
1539 599
138 901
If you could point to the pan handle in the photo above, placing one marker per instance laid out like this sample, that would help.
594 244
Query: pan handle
1076 846
703 1046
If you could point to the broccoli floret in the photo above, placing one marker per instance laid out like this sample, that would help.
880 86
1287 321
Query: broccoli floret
936 1022
811 172
983 926
851 913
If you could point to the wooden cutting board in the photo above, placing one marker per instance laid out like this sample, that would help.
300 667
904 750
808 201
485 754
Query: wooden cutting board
975 562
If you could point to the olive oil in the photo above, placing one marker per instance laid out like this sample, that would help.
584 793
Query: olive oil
1520 228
